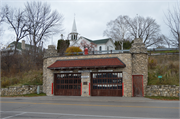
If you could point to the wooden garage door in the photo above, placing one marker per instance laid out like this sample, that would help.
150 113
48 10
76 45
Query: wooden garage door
67 84
106 84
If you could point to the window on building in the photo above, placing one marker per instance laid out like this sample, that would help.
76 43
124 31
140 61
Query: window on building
100 48
107 47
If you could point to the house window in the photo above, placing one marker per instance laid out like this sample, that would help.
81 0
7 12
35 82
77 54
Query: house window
107 47
100 48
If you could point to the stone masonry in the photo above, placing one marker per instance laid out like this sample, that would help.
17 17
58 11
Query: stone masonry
85 88
48 77
21 90
162 90
136 63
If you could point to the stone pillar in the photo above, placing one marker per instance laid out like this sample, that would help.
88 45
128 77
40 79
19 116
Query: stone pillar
23 45
44 74
51 51
140 60
85 80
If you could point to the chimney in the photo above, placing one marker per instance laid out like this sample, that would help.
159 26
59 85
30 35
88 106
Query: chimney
61 36
23 45
85 51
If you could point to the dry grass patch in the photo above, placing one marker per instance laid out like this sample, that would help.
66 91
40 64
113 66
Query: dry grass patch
32 77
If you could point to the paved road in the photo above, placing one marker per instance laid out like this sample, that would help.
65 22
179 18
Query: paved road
63 107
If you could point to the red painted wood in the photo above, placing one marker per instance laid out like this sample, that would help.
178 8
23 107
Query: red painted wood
122 89
132 87
89 89
67 84
137 85
52 88
106 84
86 51
142 87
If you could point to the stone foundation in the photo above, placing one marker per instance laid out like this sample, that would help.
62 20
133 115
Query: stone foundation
162 90
21 90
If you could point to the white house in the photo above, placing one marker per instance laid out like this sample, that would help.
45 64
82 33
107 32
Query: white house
94 45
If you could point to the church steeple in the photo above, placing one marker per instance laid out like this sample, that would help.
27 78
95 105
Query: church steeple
74 29
74 33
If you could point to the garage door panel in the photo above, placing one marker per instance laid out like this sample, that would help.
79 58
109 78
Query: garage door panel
106 84
67 84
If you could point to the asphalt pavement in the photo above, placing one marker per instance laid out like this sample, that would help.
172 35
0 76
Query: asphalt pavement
76 107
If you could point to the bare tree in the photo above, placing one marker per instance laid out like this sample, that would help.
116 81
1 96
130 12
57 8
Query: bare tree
173 22
117 30
1 20
15 19
42 22
148 29
125 28
166 41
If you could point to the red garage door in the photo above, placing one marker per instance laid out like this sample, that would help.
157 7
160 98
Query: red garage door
67 84
106 84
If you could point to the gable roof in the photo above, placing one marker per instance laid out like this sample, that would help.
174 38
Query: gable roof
100 41
19 44
88 63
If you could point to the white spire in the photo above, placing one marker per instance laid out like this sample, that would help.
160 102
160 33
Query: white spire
74 29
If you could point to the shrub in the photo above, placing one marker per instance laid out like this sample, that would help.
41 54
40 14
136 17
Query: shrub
5 83
152 63
73 49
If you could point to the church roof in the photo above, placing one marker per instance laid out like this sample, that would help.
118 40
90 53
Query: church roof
74 29
100 41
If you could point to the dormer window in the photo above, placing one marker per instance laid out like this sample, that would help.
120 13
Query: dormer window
100 48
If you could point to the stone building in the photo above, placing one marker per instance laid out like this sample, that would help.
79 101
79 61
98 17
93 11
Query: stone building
120 74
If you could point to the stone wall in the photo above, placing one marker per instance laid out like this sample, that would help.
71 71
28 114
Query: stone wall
161 59
162 90
21 90
48 75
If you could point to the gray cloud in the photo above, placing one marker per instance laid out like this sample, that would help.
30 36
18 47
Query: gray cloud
92 16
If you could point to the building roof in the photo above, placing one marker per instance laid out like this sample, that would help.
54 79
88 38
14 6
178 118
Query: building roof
19 44
100 41
113 62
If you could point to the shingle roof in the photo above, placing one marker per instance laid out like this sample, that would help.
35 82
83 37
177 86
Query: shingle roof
88 63
100 41
19 45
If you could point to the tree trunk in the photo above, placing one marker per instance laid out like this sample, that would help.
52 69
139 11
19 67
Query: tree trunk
16 45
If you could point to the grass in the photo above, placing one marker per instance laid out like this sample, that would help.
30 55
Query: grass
26 95
32 77
162 98
168 71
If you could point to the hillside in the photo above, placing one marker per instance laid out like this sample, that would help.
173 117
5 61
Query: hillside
166 66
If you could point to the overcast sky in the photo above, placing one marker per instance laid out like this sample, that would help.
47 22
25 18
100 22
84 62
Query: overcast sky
92 15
